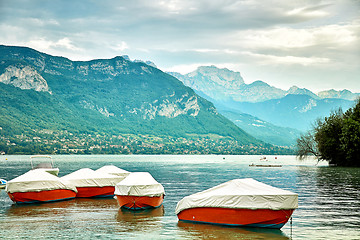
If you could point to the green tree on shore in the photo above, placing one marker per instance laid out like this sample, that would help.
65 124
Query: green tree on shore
335 139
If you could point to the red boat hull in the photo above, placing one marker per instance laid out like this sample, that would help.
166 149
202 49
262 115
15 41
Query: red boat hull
237 217
88 192
139 202
42 196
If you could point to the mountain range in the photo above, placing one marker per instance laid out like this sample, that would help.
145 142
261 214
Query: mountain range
224 84
122 106
43 94
266 112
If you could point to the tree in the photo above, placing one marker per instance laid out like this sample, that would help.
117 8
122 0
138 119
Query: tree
307 145
327 136
335 139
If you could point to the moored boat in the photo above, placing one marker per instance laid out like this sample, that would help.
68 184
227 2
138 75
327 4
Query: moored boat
139 191
39 186
239 202
265 165
90 183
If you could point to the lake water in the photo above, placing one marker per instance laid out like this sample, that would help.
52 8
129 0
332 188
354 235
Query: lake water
329 200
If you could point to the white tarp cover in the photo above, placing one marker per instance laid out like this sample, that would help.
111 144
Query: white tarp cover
111 169
139 184
241 193
87 177
37 180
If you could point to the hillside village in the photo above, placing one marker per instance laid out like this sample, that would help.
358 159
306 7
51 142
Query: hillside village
64 142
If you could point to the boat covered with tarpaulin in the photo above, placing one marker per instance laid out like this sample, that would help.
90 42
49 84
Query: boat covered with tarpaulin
139 191
90 183
39 186
239 202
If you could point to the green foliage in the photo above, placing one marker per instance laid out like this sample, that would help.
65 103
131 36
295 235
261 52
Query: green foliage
327 136
335 139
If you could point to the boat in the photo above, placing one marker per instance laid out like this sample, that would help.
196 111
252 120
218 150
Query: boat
90 183
48 165
111 169
240 203
139 191
265 165
39 186
2 183
263 158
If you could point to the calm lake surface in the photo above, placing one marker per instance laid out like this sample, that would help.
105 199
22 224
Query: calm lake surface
329 199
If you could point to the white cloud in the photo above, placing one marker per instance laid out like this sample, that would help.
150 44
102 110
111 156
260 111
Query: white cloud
307 12
40 44
121 46
286 60
44 45
334 35
66 43
185 68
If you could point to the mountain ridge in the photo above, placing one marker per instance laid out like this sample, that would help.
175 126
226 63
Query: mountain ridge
115 96
243 92
284 115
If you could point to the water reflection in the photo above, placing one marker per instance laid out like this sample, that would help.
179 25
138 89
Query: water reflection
328 199
61 207
338 191
36 209
142 220
208 231
63 219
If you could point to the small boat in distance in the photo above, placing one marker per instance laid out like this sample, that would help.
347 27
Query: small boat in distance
239 202
263 158
139 191
47 165
39 186
2 183
265 165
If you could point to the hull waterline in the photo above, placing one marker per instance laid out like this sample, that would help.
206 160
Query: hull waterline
139 202
89 192
265 218
42 196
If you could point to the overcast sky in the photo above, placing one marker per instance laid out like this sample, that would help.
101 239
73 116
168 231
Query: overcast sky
309 43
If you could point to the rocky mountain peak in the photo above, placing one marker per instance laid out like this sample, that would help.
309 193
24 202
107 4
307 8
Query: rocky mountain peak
301 91
293 89
24 77
219 76
259 83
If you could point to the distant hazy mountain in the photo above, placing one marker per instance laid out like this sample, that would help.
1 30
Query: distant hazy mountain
343 94
302 91
282 114
224 84
293 111
212 81
257 91
116 96
263 130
